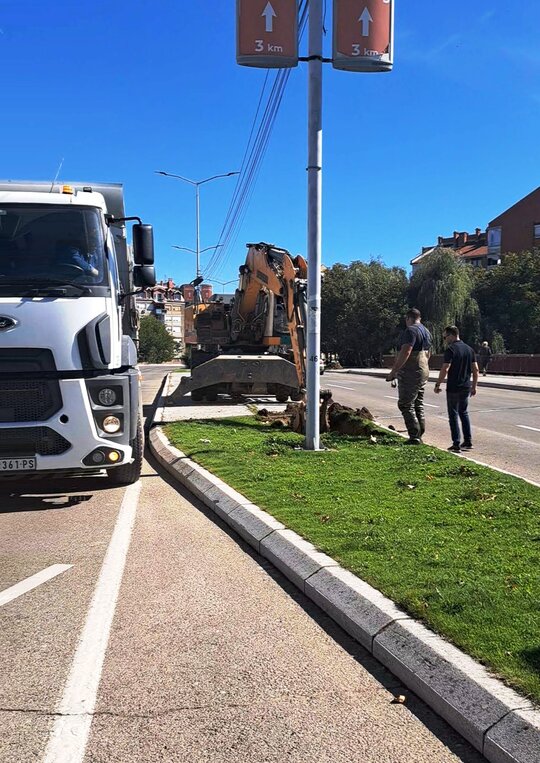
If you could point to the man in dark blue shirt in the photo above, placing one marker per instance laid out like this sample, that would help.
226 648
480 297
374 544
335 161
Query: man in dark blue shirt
411 369
459 364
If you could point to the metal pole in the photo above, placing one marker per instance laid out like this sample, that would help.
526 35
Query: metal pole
314 222
198 229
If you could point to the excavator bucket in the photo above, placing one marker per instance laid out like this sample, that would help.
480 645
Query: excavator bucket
239 375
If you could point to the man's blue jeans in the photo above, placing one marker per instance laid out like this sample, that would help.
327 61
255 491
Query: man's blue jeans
458 403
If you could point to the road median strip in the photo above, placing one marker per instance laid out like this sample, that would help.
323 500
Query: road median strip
498 721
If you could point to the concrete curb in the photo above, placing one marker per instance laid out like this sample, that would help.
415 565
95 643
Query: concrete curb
481 382
496 720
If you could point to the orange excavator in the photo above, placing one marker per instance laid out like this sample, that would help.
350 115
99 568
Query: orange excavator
255 345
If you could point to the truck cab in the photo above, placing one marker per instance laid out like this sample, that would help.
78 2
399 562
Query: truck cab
69 385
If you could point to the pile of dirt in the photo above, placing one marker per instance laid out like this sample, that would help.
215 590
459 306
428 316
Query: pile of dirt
334 417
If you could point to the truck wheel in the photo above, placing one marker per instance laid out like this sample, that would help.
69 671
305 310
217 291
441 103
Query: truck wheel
130 473
296 396
197 395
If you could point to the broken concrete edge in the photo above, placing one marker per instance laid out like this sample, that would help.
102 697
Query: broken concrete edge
496 720
481 382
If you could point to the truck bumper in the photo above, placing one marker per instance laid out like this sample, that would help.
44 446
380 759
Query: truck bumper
64 442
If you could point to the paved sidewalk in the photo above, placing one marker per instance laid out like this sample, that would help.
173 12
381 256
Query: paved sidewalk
518 383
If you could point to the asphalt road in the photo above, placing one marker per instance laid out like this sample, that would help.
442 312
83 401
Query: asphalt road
506 424
168 639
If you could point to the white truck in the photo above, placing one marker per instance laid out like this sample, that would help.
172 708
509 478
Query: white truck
70 400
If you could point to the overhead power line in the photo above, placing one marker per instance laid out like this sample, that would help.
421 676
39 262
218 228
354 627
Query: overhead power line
259 137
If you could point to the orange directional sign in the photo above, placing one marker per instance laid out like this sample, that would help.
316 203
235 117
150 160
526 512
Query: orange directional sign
363 35
267 33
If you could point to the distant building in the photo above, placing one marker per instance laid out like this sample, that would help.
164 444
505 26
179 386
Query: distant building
165 302
517 229
471 247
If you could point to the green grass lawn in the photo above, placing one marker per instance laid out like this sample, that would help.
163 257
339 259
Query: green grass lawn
454 544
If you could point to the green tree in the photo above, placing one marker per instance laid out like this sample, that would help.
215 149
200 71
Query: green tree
156 345
362 306
442 289
509 299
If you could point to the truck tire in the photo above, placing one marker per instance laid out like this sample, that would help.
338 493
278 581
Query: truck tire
130 473
197 395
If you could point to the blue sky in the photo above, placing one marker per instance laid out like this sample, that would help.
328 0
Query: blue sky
447 141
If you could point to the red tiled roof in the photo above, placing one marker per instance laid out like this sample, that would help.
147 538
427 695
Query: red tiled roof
472 251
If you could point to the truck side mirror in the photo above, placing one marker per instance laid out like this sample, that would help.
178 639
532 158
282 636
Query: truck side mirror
144 275
143 244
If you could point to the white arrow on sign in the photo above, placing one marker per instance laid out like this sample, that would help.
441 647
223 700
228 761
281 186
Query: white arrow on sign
270 15
366 18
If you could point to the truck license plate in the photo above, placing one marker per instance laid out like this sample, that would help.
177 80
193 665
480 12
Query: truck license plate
17 464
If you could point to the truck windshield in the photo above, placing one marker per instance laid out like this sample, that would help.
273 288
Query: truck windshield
43 245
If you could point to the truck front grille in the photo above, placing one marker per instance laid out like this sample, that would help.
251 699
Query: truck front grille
24 394
29 400
31 441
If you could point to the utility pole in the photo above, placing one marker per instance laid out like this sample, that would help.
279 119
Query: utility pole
197 214
314 222
363 41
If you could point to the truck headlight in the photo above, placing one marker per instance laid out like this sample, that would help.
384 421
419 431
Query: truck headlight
111 424
107 396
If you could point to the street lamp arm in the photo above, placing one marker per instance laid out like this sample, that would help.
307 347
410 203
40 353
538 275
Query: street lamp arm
194 182
221 283
215 177
207 249
179 177
183 249
194 251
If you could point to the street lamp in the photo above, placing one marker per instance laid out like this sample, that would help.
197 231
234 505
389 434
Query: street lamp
222 283
198 278
196 183
193 251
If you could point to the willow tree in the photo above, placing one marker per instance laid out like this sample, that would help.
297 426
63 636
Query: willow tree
442 289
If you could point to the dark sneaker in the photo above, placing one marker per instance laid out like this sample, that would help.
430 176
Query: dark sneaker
454 449
466 446
413 441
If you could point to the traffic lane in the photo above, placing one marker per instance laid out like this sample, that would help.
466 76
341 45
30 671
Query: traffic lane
41 520
505 406
498 439
42 523
156 371
233 663
39 629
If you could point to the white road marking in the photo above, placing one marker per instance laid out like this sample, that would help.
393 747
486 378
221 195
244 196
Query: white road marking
390 397
32 582
69 735
430 405
512 408
351 381
533 429
342 387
